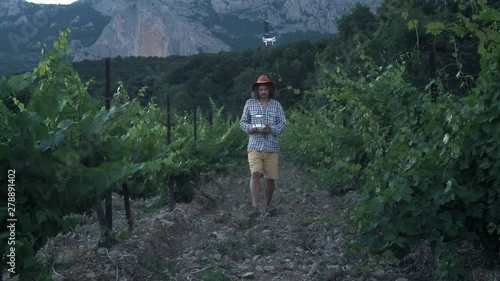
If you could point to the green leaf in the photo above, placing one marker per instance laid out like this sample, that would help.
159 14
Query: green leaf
63 125
67 155
26 222
21 82
489 15
4 149
411 24
41 131
41 217
435 28
54 141
4 88
458 30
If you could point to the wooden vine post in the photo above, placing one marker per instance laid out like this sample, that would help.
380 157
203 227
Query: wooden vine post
171 183
105 217
432 68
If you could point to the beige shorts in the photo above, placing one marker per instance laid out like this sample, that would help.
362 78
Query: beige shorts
264 162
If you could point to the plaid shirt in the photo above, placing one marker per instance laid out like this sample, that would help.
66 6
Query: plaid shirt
273 115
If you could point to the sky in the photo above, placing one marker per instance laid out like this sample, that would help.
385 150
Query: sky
64 2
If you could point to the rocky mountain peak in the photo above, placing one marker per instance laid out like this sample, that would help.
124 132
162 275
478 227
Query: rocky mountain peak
163 27
150 28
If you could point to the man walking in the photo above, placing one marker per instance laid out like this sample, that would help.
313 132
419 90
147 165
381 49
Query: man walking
263 119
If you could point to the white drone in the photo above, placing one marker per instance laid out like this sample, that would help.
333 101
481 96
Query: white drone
267 39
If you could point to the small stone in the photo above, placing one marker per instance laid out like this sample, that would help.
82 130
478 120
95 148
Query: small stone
268 268
220 219
166 223
114 254
248 275
314 268
299 250
56 277
217 257
335 268
102 251
346 268
194 266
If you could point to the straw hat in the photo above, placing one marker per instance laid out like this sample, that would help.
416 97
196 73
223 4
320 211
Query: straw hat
263 79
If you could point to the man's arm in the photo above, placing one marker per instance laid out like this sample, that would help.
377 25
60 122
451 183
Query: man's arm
280 125
245 122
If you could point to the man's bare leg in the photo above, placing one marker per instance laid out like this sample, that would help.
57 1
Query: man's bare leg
269 191
255 187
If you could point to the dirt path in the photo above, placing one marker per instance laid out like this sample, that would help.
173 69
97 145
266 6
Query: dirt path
213 239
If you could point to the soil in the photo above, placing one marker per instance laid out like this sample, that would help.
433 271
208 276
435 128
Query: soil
213 238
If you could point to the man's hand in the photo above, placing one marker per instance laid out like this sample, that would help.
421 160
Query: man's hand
267 129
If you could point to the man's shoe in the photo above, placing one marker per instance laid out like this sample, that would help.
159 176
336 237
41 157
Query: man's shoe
270 211
254 213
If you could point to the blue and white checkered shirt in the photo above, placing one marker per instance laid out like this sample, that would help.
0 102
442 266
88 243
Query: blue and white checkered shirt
273 115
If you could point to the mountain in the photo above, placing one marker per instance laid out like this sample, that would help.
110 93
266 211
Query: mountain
160 28
25 26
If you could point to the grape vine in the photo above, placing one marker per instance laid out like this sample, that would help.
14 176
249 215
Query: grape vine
424 170
68 152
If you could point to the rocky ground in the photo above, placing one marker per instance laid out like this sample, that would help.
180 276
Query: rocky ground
213 239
